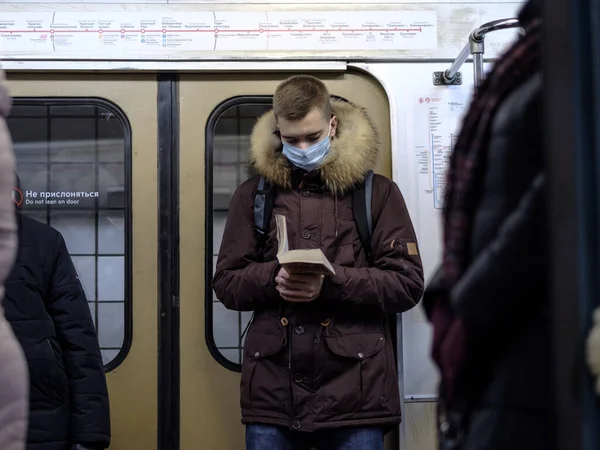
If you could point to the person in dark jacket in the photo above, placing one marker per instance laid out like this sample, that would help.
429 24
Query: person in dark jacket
13 369
489 302
318 366
48 311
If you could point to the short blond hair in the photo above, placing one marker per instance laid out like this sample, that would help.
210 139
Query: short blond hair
296 96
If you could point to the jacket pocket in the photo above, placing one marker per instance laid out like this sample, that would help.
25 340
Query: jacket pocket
345 256
264 375
357 373
48 381
57 368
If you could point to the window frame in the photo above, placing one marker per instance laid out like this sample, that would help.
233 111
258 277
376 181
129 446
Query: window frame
127 209
209 134
211 125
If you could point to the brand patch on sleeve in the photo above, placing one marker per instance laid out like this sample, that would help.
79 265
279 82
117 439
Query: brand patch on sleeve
412 249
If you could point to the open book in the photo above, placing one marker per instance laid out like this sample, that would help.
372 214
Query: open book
311 261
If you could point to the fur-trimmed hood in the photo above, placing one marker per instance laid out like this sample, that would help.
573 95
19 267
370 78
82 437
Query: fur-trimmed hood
354 149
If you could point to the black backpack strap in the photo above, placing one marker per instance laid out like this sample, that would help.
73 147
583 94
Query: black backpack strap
263 208
362 206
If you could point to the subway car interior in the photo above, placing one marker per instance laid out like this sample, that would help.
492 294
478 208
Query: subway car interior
131 122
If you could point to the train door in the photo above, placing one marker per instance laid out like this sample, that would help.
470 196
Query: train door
86 149
571 70
217 112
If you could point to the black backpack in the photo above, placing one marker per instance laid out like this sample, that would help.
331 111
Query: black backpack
361 205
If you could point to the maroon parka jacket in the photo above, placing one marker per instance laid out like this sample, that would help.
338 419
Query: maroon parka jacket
328 363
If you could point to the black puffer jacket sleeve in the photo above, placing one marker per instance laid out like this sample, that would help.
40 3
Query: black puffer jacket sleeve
491 296
67 305
504 286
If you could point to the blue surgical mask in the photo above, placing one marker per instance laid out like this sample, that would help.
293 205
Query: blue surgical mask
310 158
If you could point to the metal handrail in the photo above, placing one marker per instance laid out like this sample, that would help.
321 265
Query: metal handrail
475 47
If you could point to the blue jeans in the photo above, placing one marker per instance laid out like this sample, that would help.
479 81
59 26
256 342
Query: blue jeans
270 437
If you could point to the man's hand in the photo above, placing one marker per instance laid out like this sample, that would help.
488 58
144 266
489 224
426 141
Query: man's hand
298 288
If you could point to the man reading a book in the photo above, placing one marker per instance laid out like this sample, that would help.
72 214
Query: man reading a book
318 365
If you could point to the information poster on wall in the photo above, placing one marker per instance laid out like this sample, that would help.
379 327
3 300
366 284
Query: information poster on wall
213 31
436 118
433 120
